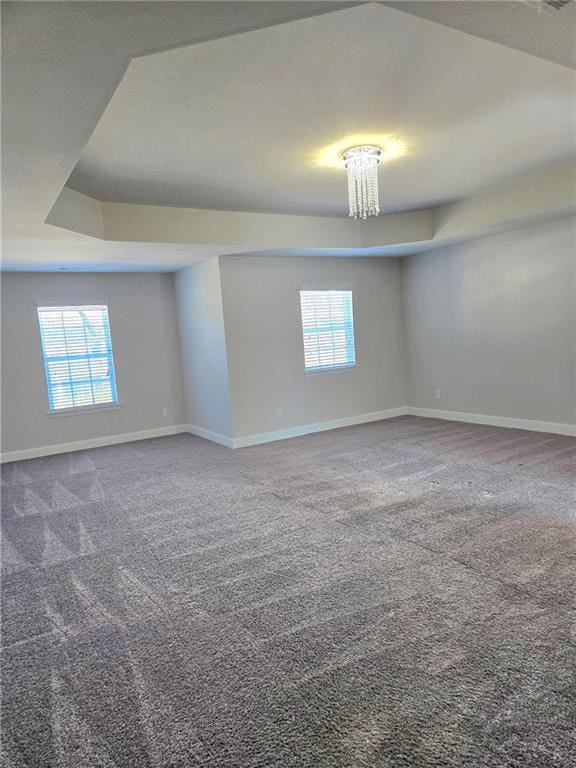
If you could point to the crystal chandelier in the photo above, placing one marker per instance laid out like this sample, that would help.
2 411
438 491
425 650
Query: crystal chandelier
361 164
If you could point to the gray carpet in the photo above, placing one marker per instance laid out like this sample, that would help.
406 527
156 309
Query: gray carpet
396 595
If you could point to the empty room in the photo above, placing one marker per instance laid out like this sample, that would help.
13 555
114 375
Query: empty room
288 386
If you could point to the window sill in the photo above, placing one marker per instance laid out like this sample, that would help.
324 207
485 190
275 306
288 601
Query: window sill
336 369
83 409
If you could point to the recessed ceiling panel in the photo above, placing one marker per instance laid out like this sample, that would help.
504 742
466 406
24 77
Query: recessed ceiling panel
240 123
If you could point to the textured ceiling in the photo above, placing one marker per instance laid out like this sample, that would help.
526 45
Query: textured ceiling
548 33
235 123
62 62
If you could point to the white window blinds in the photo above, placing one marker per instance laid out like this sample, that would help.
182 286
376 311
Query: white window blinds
78 360
328 329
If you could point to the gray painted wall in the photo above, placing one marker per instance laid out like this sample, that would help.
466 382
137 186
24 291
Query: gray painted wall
146 355
203 347
265 348
491 324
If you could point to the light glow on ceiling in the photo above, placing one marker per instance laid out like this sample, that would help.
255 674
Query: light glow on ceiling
330 156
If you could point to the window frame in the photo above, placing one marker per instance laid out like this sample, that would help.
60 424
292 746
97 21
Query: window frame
74 410
346 368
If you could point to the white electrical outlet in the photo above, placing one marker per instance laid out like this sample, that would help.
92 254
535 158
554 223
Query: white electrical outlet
164 411
278 413
437 394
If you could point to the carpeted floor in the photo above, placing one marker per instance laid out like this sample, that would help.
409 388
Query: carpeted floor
392 595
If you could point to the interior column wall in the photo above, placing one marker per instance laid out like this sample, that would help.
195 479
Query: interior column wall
203 349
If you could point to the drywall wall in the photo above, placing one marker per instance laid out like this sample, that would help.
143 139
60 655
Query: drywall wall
146 356
270 390
203 348
491 325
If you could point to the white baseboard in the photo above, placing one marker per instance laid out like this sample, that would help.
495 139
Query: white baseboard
215 437
320 426
95 442
552 427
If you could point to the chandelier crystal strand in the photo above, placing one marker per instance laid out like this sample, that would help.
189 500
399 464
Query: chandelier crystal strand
361 164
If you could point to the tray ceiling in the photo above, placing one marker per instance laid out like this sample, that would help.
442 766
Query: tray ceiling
237 123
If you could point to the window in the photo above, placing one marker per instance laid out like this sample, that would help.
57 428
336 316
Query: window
78 361
328 330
